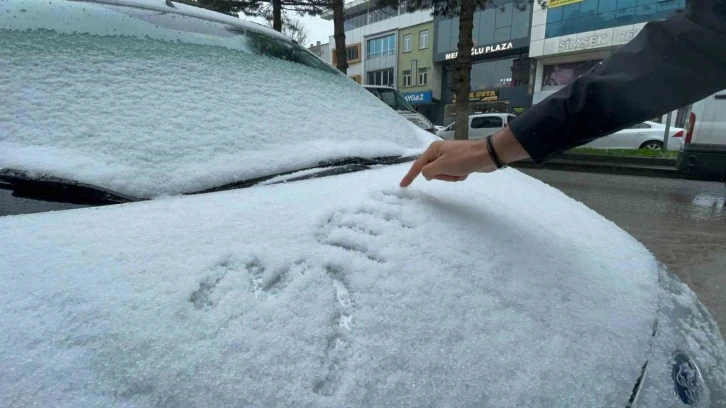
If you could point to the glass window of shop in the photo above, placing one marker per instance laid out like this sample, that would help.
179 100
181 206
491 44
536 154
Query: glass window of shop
489 76
590 15
492 25
556 76
497 74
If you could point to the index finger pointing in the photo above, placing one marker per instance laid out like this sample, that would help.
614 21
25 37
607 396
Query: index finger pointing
416 168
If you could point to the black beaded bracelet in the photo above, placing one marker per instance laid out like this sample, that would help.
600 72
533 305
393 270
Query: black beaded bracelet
493 153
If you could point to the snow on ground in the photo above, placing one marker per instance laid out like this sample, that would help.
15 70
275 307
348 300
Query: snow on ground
338 291
155 116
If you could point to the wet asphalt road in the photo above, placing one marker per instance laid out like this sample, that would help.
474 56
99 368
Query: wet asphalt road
682 222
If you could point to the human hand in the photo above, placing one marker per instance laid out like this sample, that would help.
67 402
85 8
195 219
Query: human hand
455 160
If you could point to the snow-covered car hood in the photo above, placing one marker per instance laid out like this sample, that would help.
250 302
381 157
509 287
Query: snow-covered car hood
338 291
153 100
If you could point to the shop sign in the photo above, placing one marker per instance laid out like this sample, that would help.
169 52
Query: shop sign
417 98
595 41
483 50
560 3
482 96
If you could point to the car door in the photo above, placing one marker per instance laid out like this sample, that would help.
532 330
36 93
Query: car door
599 143
633 137
483 126
494 125
447 133
477 127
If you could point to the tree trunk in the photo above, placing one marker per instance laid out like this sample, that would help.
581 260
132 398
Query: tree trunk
463 69
341 60
277 15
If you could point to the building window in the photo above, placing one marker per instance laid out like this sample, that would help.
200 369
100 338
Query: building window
356 78
383 77
406 42
407 78
352 53
423 39
491 26
381 47
423 76
591 15
499 74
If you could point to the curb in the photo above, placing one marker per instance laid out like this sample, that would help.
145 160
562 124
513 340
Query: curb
638 161
616 167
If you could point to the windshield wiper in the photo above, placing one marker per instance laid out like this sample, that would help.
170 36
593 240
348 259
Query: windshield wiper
56 189
334 167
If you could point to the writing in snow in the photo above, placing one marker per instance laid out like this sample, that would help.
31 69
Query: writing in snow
484 50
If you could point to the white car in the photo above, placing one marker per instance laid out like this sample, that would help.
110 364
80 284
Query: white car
481 125
276 262
646 135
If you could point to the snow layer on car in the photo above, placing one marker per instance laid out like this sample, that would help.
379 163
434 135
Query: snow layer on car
149 116
338 291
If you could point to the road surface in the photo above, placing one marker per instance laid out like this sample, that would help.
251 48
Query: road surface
682 222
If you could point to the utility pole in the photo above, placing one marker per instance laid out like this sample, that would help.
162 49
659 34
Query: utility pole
667 131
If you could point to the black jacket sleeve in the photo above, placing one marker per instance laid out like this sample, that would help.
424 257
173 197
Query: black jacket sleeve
668 65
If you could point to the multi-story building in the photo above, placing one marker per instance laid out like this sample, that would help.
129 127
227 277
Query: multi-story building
372 40
500 75
322 51
417 77
567 40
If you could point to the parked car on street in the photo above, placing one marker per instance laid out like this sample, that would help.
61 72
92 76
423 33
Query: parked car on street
259 252
704 150
481 125
646 135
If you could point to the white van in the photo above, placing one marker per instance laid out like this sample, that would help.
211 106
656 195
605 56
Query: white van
481 125
704 150
395 100
708 120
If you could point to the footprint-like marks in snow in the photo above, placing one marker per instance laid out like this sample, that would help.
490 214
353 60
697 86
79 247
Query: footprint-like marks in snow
263 285
339 341
355 230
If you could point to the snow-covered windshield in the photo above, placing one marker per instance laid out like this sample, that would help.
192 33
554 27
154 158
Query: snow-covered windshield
147 99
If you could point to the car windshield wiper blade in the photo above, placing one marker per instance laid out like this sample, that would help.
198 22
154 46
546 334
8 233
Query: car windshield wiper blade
49 188
368 162
334 167
43 187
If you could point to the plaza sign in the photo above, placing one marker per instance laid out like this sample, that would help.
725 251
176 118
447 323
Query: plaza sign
483 50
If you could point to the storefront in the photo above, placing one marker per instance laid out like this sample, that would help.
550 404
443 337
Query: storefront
501 70
498 85
424 103
568 40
